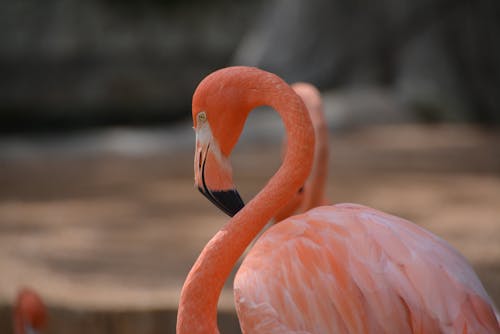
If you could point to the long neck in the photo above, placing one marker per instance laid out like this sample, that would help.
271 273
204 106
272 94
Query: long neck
200 294
319 172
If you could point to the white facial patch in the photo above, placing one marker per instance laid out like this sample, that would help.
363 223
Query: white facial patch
203 133
204 138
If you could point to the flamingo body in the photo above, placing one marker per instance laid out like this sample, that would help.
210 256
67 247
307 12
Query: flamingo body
30 315
352 269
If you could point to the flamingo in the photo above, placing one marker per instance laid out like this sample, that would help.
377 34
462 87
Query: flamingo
312 194
342 268
30 316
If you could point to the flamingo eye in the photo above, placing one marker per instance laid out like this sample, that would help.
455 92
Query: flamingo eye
201 117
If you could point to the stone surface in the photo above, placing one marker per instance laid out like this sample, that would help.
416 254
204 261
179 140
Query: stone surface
68 63
440 58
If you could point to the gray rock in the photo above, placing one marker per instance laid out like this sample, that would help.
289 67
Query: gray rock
95 62
440 58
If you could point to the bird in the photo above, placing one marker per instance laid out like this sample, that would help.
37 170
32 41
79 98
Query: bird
312 193
30 315
342 268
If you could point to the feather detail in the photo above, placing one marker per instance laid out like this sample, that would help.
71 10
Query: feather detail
352 269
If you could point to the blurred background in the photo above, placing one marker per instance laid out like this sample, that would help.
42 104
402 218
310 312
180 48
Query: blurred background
97 206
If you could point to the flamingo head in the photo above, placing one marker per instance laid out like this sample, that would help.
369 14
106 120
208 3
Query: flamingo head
221 104
30 316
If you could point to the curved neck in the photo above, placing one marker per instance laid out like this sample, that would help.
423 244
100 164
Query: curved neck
319 172
200 294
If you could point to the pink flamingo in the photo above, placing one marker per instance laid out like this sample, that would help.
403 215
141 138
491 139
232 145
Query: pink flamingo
335 269
312 194
30 316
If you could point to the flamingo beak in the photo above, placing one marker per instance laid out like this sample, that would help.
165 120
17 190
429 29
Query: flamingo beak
213 177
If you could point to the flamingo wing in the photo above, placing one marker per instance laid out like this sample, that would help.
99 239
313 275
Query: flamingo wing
352 269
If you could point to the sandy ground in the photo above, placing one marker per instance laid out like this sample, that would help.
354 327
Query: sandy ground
107 238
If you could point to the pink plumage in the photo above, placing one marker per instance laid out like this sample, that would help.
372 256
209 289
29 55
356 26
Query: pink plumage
352 269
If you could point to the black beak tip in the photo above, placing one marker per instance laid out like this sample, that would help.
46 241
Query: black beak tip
229 201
